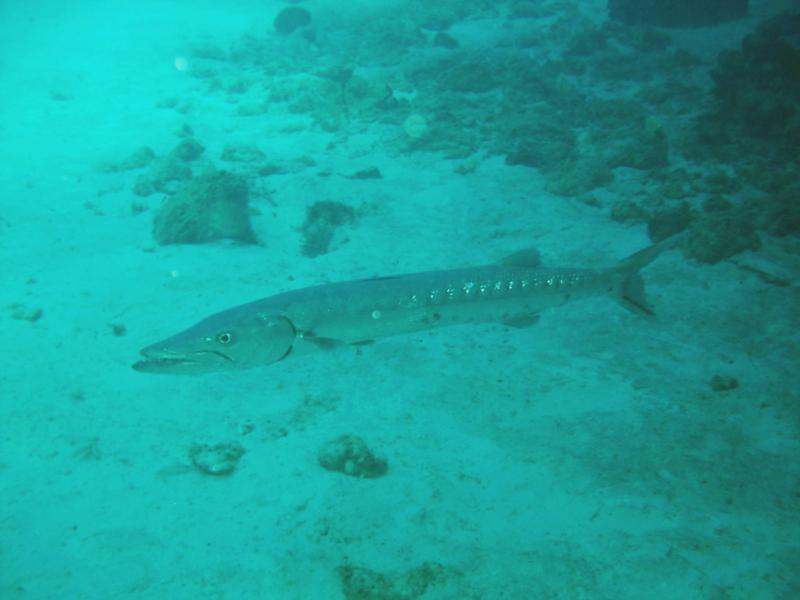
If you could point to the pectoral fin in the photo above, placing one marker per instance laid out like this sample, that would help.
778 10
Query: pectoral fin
323 343
328 343
522 321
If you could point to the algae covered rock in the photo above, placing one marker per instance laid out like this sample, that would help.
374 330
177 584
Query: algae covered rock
290 19
587 43
542 146
463 74
628 211
188 150
138 159
242 153
323 219
360 583
780 213
719 182
667 221
644 146
758 86
207 208
172 167
579 176
756 122
676 13
349 454
367 173
416 127
715 237
162 172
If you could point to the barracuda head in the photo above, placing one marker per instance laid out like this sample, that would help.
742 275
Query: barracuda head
222 342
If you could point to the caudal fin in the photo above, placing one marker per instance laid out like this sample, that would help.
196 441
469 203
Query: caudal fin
630 292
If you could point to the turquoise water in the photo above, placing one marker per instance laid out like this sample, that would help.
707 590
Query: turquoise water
162 161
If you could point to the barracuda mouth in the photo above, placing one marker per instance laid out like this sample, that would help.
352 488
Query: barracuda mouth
160 361
153 364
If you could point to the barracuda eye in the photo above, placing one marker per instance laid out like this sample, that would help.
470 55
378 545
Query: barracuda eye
225 338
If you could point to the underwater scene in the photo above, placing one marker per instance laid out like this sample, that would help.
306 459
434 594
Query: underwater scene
400 299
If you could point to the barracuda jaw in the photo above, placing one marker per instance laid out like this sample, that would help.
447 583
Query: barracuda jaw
163 361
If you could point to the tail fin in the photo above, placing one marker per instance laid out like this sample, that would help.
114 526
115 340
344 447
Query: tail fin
630 292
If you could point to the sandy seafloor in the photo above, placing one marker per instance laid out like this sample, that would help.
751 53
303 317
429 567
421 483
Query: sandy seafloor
585 457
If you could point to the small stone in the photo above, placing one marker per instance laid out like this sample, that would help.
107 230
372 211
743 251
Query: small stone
188 150
246 427
468 165
136 160
290 19
416 126
350 455
20 312
60 95
723 383
167 103
271 169
445 40
368 173
143 186
251 110
217 460
185 131
241 153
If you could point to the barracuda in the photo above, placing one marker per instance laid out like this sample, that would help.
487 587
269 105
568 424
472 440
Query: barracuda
513 291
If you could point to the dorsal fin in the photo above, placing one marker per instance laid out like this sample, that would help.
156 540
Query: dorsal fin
527 257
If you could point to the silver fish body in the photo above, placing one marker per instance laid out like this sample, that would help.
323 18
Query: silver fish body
359 312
